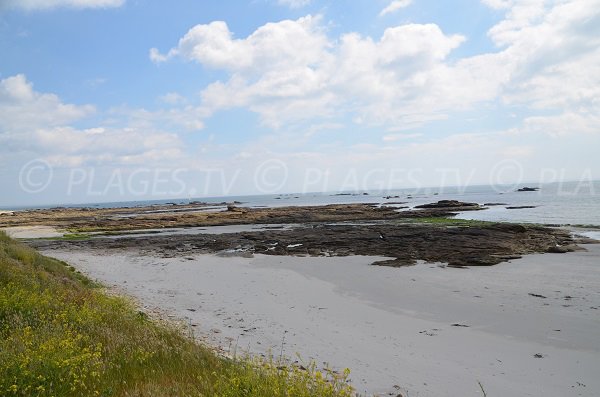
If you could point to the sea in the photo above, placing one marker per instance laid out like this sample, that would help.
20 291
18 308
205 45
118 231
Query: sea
561 203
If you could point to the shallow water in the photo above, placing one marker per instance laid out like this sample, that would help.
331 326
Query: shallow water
573 203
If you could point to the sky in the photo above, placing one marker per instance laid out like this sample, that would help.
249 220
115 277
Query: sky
112 100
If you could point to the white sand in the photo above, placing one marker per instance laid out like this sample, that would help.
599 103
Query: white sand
391 326
32 232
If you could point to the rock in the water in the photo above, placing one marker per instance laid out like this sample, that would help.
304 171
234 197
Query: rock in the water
450 204
528 189
441 208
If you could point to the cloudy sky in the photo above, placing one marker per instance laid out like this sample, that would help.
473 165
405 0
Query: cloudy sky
106 100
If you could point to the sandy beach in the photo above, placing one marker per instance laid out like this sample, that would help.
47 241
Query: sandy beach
528 327
300 198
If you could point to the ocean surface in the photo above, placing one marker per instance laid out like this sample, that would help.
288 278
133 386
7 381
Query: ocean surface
565 203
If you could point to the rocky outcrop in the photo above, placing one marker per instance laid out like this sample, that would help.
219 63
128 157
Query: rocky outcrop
450 204
152 217
443 208
481 245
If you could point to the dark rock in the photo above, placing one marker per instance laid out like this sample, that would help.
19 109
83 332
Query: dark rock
528 189
521 207
448 204
504 258
560 249
443 208
476 245
537 295
510 227
232 208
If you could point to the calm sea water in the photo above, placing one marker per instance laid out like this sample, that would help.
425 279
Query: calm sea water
568 203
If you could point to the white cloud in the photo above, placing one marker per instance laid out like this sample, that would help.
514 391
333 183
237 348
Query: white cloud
40 124
550 56
565 124
156 56
49 4
175 118
290 71
294 3
172 98
517 151
552 51
498 4
400 137
22 108
107 146
272 46
395 6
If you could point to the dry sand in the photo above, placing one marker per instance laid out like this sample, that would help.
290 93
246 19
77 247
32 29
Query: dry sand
32 232
392 326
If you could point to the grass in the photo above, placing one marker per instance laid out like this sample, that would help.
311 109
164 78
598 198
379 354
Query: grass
70 236
61 335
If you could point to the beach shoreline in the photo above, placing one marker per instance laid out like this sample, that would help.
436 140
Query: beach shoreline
458 303
420 330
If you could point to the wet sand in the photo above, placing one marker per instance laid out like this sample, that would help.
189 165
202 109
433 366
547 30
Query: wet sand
524 328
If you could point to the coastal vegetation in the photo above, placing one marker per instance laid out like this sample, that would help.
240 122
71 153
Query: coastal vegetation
62 335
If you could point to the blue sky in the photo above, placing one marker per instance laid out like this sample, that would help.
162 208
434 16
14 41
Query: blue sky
292 95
